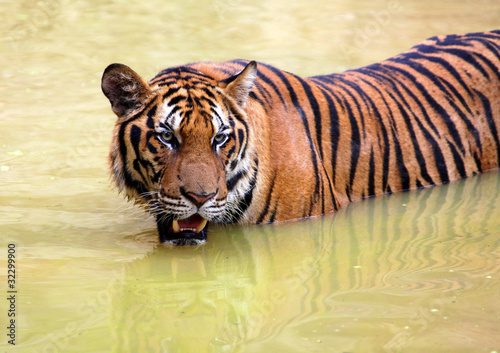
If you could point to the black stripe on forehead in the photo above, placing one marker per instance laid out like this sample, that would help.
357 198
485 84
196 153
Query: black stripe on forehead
199 105
164 123
192 121
217 116
181 75
191 95
200 100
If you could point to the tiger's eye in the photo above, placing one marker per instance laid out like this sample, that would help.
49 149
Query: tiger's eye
167 136
219 138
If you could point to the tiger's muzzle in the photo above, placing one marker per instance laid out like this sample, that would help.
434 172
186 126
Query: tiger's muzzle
188 231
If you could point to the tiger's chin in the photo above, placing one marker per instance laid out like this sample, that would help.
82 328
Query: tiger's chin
188 231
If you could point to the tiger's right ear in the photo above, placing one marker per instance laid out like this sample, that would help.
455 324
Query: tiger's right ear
125 89
240 85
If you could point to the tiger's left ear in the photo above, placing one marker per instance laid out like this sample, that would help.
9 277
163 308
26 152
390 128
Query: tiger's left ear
240 85
125 89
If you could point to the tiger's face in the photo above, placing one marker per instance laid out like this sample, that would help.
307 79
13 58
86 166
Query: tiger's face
179 142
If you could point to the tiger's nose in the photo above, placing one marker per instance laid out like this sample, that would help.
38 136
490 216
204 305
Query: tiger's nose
197 199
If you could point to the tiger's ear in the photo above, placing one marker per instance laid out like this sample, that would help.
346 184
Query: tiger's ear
240 85
125 89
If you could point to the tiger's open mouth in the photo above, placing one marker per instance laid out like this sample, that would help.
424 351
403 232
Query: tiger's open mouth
188 231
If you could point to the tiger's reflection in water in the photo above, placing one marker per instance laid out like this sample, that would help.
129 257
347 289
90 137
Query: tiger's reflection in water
384 273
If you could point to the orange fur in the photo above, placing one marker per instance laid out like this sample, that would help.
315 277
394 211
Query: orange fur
303 147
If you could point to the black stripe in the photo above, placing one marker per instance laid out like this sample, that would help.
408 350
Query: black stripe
334 134
387 150
355 98
151 113
334 80
438 155
156 174
403 172
275 210
470 126
414 59
356 136
208 92
258 86
471 58
355 143
178 70
386 158
233 164
170 92
245 202
494 48
247 199
384 144
177 99
253 96
231 183
312 202
129 181
195 78
376 71
478 162
140 164
317 119
268 81
199 101
150 123
149 145
334 121
416 146
296 103
491 122
369 103
439 159
348 193
135 138
316 113
434 104
174 110
242 144
230 152
241 134
268 199
459 162
440 82
219 118
263 92
371 174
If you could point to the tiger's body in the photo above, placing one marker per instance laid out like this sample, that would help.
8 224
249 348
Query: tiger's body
298 147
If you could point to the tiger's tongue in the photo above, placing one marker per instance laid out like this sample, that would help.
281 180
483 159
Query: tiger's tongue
195 223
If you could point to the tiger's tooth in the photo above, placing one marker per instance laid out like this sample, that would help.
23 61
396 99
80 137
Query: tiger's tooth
201 226
175 226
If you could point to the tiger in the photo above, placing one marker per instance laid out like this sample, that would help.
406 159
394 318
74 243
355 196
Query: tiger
245 142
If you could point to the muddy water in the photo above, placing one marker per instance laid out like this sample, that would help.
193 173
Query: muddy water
413 272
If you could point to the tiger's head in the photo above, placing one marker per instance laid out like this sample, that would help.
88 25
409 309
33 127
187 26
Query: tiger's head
180 145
